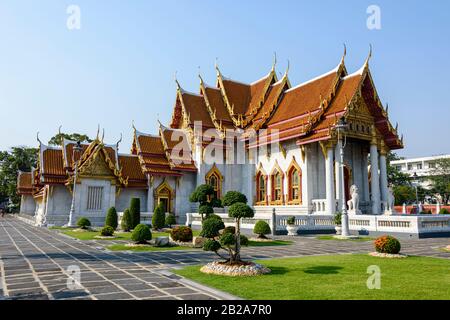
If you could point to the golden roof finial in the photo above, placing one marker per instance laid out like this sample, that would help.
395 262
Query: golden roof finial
98 131
37 138
59 130
387 108
132 125
396 126
120 140
274 61
103 134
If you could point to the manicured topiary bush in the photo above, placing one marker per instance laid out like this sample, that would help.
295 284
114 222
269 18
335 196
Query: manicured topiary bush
261 229
141 234
182 233
170 220
159 217
205 210
211 228
387 244
126 222
83 223
229 229
232 197
201 194
107 231
135 211
216 203
111 218
444 211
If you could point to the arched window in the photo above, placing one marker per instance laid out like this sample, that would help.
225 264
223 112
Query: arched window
294 183
277 186
214 178
261 188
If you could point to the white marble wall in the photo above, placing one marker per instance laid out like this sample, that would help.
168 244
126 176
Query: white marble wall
27 205
125 196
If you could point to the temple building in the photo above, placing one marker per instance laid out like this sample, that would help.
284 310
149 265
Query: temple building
285 153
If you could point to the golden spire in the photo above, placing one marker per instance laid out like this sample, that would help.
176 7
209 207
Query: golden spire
37 138
274 61
120 140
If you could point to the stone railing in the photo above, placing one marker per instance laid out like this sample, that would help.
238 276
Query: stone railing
412 224
319 206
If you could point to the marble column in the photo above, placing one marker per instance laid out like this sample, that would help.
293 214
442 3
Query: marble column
375 179
337 167
383 176
329 181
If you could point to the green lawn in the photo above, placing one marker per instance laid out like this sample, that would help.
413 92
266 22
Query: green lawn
336 277
122 247
331 237
252 243
90 235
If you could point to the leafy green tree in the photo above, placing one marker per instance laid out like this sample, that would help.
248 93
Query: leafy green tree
232 197
171 220
57 139
404 194
440 176
11 161
238 211
395 176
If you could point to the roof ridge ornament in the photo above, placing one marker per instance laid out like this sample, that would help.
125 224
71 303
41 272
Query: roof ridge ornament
120 140
39 140
274 61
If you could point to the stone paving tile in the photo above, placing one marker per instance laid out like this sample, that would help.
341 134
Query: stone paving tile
120 275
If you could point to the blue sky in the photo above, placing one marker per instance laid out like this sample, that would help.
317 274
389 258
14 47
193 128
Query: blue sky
120 65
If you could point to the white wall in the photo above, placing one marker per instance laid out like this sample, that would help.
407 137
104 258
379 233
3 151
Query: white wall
27 205
124 198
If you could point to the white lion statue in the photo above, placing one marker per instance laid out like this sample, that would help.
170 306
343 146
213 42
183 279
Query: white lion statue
353 203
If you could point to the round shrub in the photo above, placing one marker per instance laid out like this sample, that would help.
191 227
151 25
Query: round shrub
126 223
107 231
141 234
181 233
201 193
171 220
261 229
83 223
227 240
214 216
111 218
244 240
135 211
205 210
211 228
230 229
216 203
232 197
159 217
387 244
240 210
444 211
211 245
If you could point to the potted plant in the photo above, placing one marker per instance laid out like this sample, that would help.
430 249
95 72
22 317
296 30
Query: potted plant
338 223
291 227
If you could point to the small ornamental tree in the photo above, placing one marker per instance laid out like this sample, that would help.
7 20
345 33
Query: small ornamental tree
231 242
111 218
141 234
170 220
261 229
204 195
126 222
135 211
159 217
107 231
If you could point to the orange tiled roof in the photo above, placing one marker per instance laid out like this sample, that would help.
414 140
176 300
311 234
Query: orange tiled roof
131 169
24 183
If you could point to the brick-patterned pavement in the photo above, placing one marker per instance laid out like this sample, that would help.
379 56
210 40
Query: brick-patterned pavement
35 263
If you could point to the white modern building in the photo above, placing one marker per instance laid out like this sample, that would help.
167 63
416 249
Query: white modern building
423 168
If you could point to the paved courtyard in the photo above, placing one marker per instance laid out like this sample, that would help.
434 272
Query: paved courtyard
36 263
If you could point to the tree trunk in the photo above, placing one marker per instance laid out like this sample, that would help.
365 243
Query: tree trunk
237 257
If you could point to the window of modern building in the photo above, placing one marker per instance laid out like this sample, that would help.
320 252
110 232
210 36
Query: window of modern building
419 166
